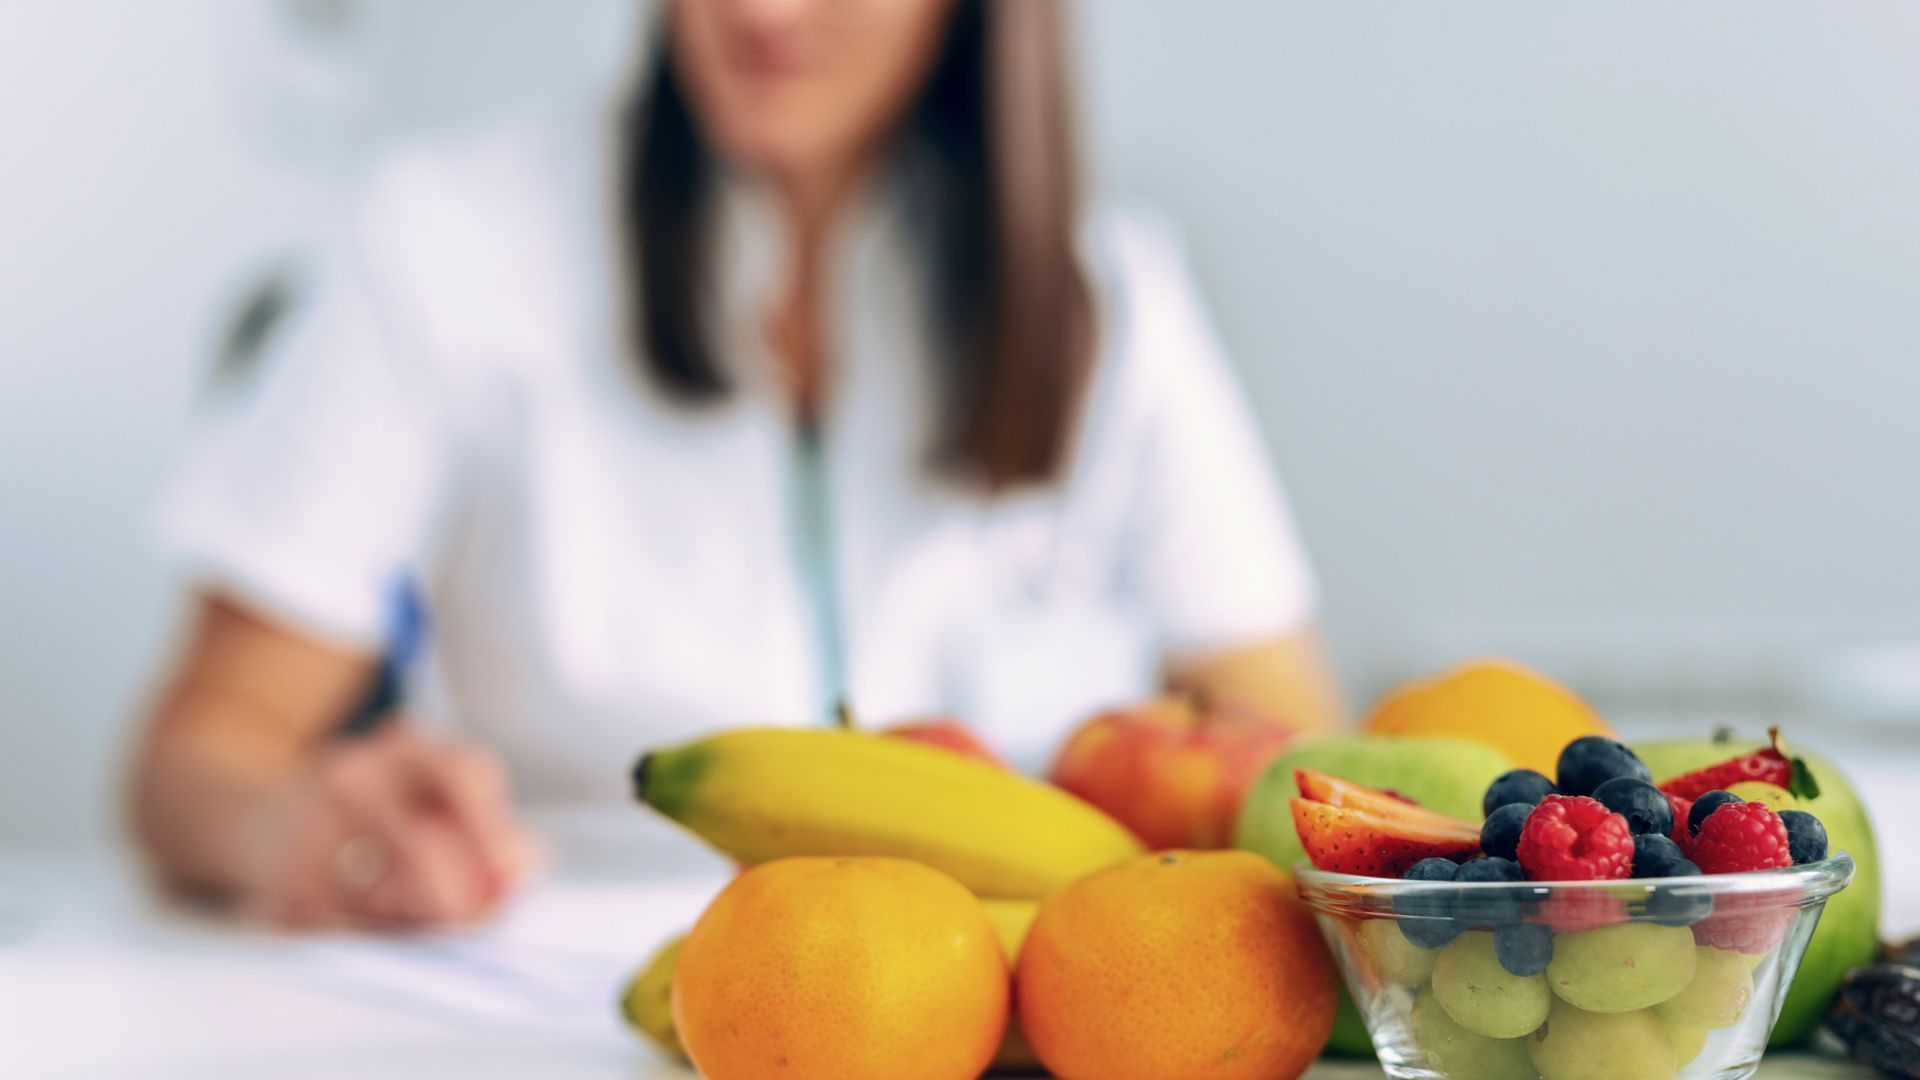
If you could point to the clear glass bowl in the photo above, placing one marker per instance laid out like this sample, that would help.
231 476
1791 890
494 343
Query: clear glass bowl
1644 979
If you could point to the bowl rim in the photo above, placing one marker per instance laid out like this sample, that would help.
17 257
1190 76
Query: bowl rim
1808 883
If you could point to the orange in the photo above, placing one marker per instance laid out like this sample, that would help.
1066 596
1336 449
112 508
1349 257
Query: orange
1200 965
1505 705
841 969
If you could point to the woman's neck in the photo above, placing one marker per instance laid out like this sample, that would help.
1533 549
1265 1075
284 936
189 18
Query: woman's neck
812 198
811 202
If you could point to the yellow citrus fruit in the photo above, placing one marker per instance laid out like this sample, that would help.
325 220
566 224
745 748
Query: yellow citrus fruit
1508 706
1200 965
841 969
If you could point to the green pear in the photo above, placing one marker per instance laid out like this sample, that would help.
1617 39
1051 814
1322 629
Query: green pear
1849 930
1446 775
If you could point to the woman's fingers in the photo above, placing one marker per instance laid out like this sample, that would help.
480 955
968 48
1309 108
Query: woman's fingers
437 882
412 858
469 787
396 830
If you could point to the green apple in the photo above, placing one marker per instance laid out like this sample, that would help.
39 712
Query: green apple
1849 931
1446 775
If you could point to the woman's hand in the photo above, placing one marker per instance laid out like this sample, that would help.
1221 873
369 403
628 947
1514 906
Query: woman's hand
397 829
241 790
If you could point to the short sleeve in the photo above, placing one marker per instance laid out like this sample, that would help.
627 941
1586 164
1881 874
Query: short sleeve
314 492
1216 553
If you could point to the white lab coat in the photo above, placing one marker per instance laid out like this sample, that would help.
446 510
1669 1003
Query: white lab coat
607 571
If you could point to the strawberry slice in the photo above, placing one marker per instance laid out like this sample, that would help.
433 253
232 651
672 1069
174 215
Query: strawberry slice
1325 788
1771 764
1350 840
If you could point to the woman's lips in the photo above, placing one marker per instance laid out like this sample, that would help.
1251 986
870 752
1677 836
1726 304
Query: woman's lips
764 56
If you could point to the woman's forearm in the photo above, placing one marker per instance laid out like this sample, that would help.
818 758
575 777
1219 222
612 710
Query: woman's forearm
240 790
240 720
210 788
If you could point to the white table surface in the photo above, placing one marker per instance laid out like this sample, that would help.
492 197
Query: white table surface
99 979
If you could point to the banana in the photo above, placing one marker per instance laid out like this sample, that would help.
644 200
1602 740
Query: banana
760 794
647 1003
1011 920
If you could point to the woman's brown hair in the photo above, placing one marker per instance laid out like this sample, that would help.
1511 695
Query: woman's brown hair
988 161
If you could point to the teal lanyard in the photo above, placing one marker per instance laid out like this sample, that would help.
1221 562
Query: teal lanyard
812 513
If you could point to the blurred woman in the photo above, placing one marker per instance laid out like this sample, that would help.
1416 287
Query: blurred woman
806 379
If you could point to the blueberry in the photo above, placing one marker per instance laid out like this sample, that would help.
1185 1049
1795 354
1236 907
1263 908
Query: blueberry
1592 760
1705 805
1484 907
1655 855
1519 786
1642 804
1431 933
1670 906
1433 870
1523 948
1424 924
1484 870
1429 904
1806 837
1500 834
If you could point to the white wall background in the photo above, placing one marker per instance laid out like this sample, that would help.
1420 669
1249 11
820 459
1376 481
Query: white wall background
1589 332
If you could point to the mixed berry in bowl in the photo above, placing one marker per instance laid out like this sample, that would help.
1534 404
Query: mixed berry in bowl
1595 925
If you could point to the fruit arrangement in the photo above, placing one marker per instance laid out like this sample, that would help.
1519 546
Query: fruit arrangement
1503 886
1591 925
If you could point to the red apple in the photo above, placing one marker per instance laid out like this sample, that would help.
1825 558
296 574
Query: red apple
947 734
1173 773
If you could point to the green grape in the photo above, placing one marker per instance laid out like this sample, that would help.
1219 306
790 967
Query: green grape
1395 959
1622 967
1578 1045
1481 996
1718 995
1454 1051
1687 1042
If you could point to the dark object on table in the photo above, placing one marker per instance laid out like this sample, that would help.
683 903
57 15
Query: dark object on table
1877 1015
1904 952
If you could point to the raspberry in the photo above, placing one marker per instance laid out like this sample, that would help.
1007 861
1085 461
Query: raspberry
1751 925
1707 804
1575 838
1571 911
1741 836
